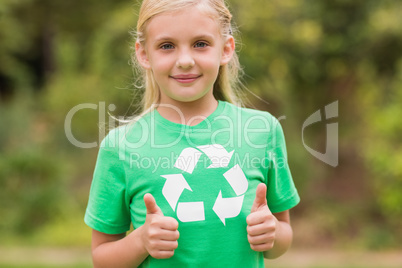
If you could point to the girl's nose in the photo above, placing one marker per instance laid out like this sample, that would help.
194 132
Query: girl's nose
185 60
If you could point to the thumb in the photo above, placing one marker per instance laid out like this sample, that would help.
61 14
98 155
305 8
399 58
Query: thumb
150 204
260 197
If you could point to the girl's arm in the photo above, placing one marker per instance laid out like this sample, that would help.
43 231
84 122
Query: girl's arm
157 237
117 250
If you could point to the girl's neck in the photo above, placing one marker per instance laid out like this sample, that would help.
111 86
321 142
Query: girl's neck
187 113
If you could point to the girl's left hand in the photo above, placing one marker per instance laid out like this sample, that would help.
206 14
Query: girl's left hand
261 224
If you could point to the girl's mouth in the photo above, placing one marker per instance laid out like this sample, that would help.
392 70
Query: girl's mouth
185 78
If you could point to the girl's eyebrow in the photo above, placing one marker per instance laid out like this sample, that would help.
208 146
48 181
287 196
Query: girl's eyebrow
163 38
204 36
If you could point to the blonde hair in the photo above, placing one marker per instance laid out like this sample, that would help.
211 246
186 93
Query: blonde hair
227 83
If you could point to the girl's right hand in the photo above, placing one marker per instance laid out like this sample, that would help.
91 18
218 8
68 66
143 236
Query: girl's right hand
160 233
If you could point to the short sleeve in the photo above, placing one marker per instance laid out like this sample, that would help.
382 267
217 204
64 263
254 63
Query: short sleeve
281 191
108 208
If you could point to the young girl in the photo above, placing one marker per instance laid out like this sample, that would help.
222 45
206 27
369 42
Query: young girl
204 182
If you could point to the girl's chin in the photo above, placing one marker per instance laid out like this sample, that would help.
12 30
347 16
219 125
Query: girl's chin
185 97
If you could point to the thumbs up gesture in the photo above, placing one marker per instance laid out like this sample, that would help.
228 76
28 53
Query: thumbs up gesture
261 224
160 233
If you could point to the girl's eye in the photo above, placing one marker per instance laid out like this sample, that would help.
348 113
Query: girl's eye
200 45
166 46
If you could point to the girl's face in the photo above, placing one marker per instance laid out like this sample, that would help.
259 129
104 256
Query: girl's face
184 50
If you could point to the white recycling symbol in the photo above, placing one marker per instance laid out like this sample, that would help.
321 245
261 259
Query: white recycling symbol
175 184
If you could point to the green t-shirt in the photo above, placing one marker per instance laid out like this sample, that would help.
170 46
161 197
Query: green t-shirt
205 176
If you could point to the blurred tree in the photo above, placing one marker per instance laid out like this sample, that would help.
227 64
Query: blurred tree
53 56
28 29
380 96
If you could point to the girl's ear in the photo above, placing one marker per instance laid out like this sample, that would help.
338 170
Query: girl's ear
228 50
142 56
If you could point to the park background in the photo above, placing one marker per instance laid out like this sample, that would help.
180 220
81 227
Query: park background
298 57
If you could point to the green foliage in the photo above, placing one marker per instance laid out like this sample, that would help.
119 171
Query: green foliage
31 181
382 143
31 190
298 56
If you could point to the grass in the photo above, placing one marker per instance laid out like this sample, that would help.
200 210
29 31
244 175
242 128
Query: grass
311 258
